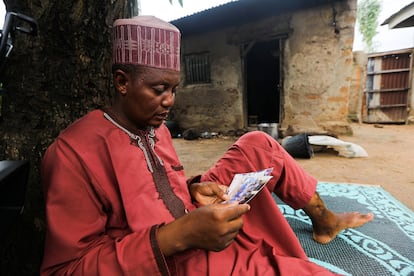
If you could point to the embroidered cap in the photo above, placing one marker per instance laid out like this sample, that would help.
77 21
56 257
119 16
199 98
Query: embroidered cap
146 40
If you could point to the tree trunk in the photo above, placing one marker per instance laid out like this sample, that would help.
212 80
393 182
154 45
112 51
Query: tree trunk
50 80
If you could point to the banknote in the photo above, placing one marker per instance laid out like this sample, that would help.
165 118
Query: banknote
245 186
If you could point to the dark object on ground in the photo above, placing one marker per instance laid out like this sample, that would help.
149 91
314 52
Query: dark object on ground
191 134
298 146
174 128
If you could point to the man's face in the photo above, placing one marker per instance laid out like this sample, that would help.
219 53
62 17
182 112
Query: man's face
147 97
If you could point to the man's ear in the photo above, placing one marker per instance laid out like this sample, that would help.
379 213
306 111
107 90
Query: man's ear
121 81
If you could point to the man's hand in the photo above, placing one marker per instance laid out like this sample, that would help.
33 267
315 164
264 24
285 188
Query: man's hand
208 193
212 227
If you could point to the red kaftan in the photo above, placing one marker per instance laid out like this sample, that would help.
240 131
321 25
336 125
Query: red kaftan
103 208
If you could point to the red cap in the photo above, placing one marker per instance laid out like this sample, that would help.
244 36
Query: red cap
146 40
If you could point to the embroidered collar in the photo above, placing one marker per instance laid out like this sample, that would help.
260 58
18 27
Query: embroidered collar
132 132
145 140
140 140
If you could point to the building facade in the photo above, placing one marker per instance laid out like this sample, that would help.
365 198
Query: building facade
291 65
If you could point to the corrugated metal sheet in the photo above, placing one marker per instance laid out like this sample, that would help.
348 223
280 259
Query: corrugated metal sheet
239 12
394 80
388 87
396 61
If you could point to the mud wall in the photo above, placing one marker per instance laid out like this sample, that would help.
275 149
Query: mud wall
318 71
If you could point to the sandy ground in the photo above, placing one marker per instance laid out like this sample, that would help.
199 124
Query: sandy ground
390 161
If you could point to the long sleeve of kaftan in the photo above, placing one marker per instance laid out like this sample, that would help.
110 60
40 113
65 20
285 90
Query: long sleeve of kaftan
87 230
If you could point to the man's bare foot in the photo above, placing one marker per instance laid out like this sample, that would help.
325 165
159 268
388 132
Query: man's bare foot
328 228
327 224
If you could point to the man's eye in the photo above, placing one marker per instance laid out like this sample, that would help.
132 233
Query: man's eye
159 89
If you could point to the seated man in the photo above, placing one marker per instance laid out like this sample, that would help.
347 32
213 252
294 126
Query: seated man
118 202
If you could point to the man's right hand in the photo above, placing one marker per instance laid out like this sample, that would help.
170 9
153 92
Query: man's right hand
212 227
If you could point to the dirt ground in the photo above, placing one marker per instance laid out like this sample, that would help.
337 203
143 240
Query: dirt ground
390 161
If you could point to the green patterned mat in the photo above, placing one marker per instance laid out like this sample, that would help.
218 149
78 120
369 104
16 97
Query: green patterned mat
384 246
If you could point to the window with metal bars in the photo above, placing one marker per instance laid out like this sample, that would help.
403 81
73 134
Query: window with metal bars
197 68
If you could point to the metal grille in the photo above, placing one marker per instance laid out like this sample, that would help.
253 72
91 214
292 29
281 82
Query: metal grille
197 68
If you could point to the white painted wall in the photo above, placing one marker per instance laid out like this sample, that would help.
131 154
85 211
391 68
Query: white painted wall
386 39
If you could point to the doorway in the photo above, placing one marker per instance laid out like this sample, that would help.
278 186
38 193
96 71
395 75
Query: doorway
263 71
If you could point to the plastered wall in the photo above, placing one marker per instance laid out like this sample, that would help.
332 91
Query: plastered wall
317 71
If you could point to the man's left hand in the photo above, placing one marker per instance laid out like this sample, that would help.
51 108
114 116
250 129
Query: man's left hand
208 193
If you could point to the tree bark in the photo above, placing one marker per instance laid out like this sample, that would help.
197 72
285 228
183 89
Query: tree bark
50 80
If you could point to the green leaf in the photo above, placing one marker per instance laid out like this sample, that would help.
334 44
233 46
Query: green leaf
367 14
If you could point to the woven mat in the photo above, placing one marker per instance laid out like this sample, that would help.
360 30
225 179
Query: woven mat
384 246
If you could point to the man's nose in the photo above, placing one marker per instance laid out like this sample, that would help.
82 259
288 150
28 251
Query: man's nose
169 99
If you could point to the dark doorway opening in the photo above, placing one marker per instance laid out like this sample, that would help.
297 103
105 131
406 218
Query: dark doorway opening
263 61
